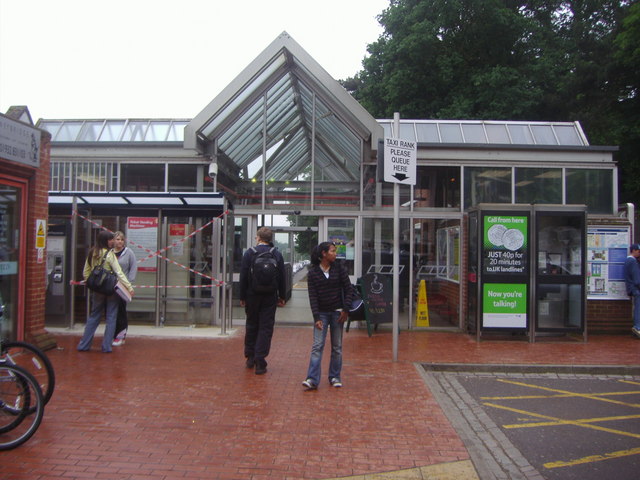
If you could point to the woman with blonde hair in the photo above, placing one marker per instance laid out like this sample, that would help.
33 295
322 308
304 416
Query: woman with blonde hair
99 253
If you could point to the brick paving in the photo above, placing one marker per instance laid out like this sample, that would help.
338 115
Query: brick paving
185 408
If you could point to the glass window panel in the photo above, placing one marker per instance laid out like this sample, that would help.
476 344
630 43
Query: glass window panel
473 133
142 177
544 135
69 132
427 132
183 178
593 188
386 126
560 244
567 135
451 133
520 134
379 195
112 131
486 185
538 185
176 132
157 131
135 131
497 133
52 128
559 306
407 132
437 187
90 131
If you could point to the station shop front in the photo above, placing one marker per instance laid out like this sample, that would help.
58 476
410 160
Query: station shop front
289 148
24 180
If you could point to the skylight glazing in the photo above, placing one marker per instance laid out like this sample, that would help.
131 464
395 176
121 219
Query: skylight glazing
489 132
115 130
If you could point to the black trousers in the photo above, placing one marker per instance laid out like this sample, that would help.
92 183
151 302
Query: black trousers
261 317
122 323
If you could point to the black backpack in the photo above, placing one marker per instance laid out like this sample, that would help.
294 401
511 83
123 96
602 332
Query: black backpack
264 271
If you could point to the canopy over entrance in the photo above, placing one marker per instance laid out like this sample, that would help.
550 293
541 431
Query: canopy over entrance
283 124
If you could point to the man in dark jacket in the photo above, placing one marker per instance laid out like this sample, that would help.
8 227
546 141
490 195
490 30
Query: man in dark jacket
260 307
632 280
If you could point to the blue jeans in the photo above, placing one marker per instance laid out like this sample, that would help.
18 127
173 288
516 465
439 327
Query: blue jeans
329 323
101 303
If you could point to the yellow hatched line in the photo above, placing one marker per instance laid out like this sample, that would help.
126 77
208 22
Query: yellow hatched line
571 422
631 382
594 458
565 422
572 394
564 395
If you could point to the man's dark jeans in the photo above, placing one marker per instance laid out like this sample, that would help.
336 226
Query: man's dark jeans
261 317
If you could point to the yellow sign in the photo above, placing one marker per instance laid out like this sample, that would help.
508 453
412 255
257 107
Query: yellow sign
422 310
41 233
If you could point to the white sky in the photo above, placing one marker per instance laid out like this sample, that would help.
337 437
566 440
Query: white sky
161 58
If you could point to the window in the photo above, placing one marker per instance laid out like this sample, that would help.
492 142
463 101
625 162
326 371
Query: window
593 188
486 185
142 177
538 185
437 187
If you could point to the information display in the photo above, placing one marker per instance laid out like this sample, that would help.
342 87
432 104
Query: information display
607 249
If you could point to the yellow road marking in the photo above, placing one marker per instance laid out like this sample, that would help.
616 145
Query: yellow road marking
564 422
593 458
572 394
564 395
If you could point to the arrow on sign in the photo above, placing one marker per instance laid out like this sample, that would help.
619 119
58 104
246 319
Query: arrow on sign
400 176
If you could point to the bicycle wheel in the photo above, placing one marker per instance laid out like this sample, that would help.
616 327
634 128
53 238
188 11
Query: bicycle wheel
35 361
18 390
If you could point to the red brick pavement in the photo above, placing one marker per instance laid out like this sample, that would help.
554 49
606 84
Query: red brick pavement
184 408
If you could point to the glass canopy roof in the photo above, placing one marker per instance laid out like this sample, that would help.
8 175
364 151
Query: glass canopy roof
488 132
107 130
424 131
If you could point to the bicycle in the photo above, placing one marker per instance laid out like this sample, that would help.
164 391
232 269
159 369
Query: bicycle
34 361
21 405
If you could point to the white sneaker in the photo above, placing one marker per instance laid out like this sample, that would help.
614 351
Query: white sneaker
335 382
309 385
118 342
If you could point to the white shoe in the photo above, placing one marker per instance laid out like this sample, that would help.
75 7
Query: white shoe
118 342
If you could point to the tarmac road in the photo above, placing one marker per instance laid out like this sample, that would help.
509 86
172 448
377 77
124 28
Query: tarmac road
530 424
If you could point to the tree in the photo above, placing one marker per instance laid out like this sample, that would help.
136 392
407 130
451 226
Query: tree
547 60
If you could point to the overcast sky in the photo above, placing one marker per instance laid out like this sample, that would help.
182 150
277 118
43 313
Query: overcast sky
161 58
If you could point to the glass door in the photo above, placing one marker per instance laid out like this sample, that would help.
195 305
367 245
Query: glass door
11 223
343 232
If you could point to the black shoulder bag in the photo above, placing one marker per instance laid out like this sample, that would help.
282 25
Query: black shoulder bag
102 280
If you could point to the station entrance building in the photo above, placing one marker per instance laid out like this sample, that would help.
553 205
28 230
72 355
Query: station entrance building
288 147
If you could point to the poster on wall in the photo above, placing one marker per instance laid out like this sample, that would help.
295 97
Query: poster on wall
505 245
504 305
607 249
143 232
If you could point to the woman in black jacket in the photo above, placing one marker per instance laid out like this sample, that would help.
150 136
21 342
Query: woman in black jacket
330 294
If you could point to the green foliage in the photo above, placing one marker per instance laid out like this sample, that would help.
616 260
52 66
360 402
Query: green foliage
511 59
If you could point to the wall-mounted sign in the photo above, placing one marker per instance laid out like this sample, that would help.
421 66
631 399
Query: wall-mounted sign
19 142
142 233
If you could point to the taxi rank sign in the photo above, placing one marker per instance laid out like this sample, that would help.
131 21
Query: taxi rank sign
399 161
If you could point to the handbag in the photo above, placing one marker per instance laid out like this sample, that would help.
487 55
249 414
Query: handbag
101 280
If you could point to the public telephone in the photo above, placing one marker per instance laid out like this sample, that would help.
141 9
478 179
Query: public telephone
56 298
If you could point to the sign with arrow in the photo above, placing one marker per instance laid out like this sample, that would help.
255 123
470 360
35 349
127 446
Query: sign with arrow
400 161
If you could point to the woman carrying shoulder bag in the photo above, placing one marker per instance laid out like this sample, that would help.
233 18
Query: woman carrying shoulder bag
100 252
